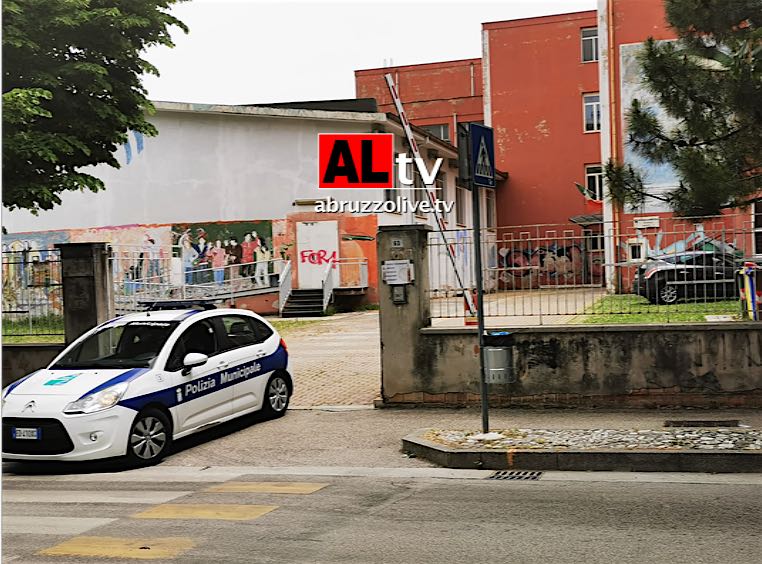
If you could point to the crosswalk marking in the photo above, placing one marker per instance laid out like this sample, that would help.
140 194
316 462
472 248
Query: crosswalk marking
115 547
108 496
45 525
268 487
219 511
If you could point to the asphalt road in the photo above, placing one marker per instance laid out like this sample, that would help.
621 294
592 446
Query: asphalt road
380 516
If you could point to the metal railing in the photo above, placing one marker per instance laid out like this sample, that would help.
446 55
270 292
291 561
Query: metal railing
672 270
32 295
329 283
352 272
140 277
284 286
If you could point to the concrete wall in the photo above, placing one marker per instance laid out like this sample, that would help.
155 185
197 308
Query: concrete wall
20 360
708 365
697 365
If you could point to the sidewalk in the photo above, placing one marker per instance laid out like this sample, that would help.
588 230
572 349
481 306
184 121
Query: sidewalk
336 361
373 437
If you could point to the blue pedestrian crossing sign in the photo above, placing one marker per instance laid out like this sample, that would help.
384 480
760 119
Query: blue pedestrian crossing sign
482 155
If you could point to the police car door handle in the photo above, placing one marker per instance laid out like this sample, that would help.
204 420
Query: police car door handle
223 364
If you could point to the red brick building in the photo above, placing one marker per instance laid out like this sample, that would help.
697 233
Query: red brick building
437 96
539 79
555 89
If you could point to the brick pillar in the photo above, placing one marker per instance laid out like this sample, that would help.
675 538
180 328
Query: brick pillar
401 322
87 289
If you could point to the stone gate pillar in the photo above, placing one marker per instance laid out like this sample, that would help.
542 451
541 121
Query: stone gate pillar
87 289
405 308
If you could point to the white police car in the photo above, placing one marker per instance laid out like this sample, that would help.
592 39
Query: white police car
133 384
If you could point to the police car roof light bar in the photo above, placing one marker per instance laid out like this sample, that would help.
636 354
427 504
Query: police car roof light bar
203 305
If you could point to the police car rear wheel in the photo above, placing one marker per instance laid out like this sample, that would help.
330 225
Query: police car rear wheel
149 437
278 395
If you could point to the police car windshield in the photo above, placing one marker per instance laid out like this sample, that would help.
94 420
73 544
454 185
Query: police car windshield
130 345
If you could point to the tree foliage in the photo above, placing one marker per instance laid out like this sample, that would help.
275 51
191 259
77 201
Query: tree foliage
72 90
709 83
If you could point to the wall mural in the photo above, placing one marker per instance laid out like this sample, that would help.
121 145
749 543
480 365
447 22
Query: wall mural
549 264
658 178
163 257
32 274
209 252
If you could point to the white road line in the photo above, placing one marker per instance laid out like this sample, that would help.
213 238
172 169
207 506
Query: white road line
38 525
162 473
71 496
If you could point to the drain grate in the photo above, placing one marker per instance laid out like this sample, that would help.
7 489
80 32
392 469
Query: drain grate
702 423
514 475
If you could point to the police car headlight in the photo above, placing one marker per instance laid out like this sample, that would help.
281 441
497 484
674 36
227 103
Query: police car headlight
98 401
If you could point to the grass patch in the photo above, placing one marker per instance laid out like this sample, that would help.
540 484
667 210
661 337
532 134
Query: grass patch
285 326
45 329
630 308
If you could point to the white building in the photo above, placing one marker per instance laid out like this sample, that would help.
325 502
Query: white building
222 172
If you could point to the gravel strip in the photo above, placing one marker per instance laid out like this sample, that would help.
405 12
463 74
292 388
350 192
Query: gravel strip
584 439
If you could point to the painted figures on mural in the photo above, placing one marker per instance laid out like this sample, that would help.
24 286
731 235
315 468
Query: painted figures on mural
263 256
229 252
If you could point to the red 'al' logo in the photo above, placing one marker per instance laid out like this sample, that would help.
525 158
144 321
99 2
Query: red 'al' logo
356 160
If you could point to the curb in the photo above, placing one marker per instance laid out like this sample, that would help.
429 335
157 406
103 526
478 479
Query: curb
646 460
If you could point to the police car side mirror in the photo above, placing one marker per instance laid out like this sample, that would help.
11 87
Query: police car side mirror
193 359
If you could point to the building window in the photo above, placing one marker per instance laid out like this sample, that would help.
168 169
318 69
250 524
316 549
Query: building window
594 240
636 251
758 228
391 194
589 44
491 219
418 194
461 197
594 181
440 130
592 107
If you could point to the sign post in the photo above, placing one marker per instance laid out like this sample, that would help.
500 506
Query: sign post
479 143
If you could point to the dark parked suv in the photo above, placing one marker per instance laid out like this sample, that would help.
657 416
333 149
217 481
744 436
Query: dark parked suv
667 279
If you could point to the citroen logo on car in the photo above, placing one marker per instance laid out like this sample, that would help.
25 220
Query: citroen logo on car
29 406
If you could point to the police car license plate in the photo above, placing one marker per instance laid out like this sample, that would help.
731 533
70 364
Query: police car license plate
26 433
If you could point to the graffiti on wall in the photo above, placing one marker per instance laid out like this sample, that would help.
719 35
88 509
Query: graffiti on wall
548 264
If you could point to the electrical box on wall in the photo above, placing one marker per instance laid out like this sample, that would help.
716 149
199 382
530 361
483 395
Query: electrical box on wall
399 294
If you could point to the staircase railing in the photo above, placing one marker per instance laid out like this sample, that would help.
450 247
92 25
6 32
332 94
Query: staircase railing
284 286
330 280
353 272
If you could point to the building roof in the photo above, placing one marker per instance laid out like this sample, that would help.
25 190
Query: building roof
434 64
540 20
273 110
346 105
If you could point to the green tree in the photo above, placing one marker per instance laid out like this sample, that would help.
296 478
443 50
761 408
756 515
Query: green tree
709 83
72 90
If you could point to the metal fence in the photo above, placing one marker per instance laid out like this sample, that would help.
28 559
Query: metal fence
655 271
142 275
32 295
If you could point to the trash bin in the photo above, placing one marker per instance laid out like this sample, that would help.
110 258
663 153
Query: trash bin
498 357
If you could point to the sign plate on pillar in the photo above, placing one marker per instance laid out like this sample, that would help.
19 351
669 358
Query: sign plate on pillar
397 272
482 155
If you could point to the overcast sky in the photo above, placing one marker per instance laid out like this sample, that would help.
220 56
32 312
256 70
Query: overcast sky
253 51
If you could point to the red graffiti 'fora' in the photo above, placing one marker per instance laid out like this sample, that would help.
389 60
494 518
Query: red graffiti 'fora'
317 257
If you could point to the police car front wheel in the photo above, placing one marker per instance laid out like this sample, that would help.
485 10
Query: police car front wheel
150 437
